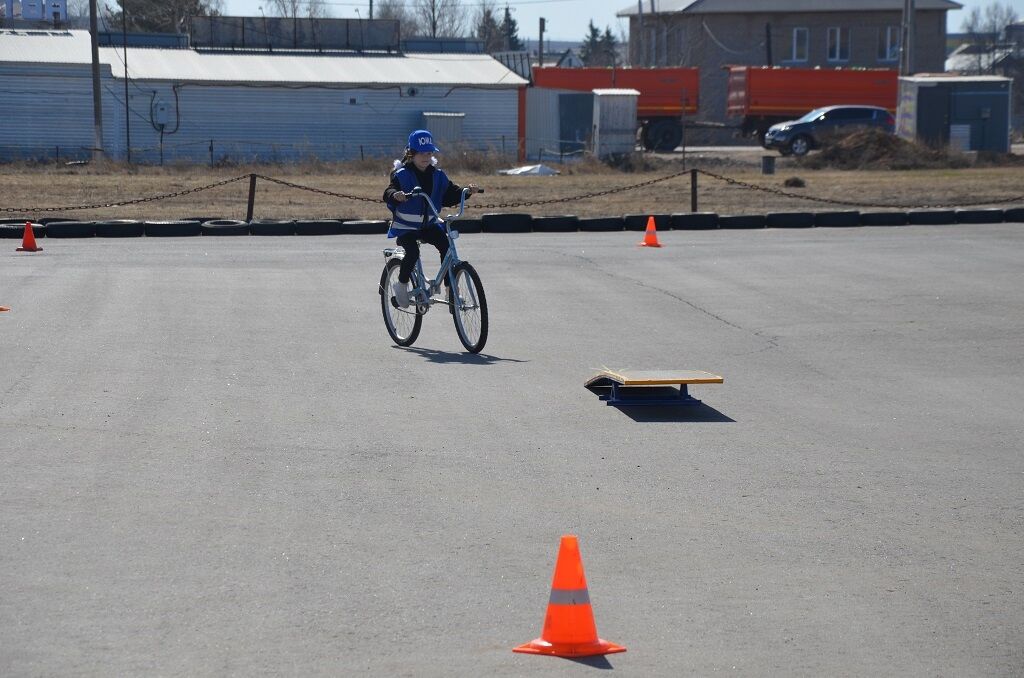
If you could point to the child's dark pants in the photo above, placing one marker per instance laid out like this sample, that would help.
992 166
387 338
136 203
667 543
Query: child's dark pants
430 234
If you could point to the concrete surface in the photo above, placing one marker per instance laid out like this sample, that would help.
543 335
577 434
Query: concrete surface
215 463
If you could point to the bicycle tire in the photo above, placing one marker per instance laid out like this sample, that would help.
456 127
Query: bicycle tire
397 320
470 321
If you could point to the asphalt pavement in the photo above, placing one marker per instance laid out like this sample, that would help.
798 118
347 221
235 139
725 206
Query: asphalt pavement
215 462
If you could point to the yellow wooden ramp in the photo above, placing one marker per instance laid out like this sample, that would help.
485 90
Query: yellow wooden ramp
649 387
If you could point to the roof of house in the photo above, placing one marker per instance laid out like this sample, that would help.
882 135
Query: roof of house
763 6
259 67
973 58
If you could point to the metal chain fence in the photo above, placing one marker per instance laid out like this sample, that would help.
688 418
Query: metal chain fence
527 203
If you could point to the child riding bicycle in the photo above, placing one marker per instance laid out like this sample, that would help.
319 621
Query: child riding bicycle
412 220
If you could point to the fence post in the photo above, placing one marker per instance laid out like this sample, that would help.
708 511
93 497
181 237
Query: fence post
361 156
252 196
693 190
211 152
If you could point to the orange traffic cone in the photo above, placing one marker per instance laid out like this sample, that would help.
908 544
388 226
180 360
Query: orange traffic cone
569 629
4 308
650 235
28 242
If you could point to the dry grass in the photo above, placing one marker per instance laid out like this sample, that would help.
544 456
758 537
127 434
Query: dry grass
38 186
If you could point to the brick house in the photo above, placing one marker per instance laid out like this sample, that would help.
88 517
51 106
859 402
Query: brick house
710 34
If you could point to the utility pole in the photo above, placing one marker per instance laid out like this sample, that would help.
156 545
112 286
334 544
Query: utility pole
127 111
371 10
907 39
97 102
540 45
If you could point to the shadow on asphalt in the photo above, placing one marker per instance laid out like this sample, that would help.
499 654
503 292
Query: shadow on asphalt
679 413
598 662
460 357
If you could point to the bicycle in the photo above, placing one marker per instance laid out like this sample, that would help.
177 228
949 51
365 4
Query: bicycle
465 296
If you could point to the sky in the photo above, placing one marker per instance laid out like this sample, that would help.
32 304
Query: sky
565 19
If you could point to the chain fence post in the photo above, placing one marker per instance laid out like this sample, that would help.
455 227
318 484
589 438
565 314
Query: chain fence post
252 197
693 190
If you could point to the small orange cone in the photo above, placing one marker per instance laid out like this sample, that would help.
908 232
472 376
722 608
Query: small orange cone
4 308
650 235
569 629
28 242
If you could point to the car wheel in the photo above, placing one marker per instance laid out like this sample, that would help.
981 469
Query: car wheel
800 145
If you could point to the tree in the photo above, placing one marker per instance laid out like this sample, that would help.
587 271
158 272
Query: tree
394 10
609 48
510 32
488 30
160 16
299 9
590 50
438 18
985 30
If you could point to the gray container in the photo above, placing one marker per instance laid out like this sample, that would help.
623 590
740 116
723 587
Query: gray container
967 113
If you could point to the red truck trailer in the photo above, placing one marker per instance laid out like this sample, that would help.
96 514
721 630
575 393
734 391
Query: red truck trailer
666 95
763 96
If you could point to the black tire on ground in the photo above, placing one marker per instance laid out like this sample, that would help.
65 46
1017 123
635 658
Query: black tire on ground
389 273
694 221
468 225
318 227
71 229
979 216
638 222
52 220
931 217
272 227
506 223
800 145
883 218
364 227
120 228
563 224
203 220
471 343
224 227
173 229
1014 215
16 229
789 219
837 219
742 221
601 224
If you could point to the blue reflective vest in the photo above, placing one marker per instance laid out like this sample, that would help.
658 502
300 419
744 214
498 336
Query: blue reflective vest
408 216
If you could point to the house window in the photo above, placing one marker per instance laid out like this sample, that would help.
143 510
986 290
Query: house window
838 44
889 43
799 45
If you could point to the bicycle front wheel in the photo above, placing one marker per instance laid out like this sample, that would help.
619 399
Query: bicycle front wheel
403 323
469 307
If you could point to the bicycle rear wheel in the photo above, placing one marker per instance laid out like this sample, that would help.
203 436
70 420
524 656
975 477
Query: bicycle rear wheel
469 307
403 323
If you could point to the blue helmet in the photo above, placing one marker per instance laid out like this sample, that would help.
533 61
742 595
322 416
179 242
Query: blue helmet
421 141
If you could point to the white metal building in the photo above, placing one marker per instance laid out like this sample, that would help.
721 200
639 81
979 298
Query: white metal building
189 105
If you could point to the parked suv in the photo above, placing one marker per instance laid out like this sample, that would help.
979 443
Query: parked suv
797 137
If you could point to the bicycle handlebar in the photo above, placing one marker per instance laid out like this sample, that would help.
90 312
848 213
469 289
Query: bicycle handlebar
418 192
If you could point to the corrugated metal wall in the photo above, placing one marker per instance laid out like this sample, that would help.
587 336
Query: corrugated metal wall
53 108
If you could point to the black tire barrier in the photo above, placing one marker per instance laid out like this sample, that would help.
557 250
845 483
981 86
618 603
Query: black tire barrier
601 224
789 219
694 221
365 227
979 216
843 219
71 229
224 227
119 228
272 227
173 229
318 227
568 223
883 218
638 222
1014 215
931 217
742 221
506 223
203 220
470 225
15 230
